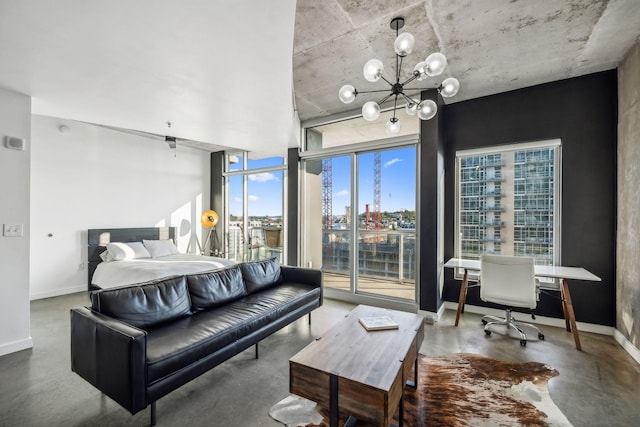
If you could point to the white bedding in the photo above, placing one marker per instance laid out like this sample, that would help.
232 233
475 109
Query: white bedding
130 271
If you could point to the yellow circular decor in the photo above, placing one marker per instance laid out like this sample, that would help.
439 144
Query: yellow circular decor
209 218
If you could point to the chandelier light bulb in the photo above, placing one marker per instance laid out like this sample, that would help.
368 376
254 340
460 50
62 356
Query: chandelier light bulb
347 94
450 87
436 63
373 70
370 111
393 126
412 108
404 44
427 109
419 70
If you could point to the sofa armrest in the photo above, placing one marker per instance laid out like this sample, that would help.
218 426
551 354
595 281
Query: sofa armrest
307 276
111 355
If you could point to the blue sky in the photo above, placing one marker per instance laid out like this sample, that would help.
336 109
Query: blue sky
398 185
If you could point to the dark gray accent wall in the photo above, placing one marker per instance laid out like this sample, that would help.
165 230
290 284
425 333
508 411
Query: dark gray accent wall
582 112
217 195
293 165
431 155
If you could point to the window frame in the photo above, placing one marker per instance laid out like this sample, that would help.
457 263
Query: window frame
556 144
244 170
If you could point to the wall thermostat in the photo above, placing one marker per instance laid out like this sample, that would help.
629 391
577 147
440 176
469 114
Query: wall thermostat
14 143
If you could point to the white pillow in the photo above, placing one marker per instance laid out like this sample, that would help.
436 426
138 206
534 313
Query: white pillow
119 251
160 248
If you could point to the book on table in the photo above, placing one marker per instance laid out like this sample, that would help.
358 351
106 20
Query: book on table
378 323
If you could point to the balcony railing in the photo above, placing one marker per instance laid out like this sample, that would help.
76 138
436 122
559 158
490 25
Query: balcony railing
258 243
383 254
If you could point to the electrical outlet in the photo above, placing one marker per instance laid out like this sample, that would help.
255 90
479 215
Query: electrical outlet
81 266
12 230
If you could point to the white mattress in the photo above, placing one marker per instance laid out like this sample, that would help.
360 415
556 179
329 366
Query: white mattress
128 272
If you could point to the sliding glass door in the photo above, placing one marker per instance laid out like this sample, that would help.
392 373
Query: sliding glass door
359 222
386 232
336 222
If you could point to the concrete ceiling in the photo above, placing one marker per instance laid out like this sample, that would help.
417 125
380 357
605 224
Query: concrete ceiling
225 73
492 46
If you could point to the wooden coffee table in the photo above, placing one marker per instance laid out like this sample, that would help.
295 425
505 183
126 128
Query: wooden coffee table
360 374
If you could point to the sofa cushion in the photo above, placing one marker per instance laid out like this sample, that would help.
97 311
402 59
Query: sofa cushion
145 305
259 275
214 288
177 345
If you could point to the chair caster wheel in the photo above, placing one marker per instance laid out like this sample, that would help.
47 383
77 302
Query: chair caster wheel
523 343
541 337
487 333
484 322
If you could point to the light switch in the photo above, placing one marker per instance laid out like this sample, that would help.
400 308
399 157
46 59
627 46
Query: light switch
12 230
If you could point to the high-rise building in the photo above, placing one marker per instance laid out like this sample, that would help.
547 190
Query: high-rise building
506 204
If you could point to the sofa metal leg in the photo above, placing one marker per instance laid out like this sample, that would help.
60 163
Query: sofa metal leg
153 413
309 318
256 350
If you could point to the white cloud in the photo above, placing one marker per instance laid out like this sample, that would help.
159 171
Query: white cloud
237 199
253 198
262 177
342 193
391 162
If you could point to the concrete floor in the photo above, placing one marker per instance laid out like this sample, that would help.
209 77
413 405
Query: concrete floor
596 387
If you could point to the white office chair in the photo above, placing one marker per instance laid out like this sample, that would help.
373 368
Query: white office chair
508 281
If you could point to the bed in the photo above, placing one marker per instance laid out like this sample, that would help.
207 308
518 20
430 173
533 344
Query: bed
139 255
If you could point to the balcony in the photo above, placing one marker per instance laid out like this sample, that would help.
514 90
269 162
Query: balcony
384 253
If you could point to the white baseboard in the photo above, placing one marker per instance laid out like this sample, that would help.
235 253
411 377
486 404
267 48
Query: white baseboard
16 346
57 292
430 316
541 320
627 345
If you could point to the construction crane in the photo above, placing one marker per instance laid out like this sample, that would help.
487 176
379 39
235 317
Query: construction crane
377 174
327 188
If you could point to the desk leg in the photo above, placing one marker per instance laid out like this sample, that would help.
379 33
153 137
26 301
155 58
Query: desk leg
568 308
564 306
463 294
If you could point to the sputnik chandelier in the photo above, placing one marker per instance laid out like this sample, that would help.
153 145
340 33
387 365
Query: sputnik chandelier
373 70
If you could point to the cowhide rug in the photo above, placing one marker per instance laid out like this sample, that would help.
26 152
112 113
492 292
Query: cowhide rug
459 390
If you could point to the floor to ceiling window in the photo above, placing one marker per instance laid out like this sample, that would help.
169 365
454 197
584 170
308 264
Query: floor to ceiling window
254 204
359 208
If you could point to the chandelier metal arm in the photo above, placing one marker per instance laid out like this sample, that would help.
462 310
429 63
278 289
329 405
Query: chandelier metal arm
398 68
383 78
395 105
409 80
373 91
385 98
424 88
410 100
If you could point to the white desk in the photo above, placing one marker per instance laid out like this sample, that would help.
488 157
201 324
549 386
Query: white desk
556 272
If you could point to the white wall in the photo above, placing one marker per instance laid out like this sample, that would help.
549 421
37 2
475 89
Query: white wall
15 118
93 177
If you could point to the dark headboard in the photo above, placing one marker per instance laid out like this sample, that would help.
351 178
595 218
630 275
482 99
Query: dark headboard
99 237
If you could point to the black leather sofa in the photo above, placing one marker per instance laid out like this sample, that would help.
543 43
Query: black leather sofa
139 343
